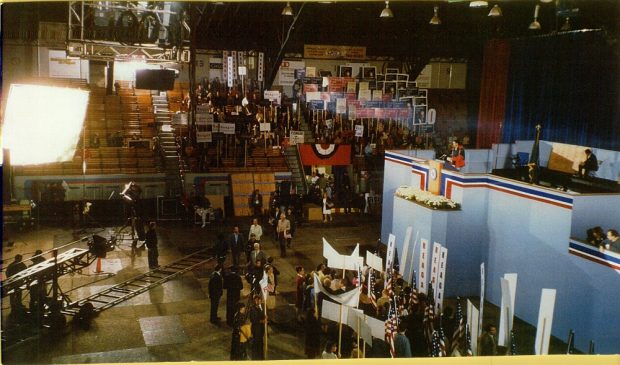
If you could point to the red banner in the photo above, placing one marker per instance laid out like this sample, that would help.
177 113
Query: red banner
323 155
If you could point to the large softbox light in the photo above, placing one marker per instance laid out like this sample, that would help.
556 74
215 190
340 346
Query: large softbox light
42 124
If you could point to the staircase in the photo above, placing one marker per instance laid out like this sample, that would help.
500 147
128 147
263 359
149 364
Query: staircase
171 160
293 160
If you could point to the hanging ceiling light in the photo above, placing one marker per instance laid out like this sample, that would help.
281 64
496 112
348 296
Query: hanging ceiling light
288 10
496 11
435 19
387 12
535 25
566 27
479 4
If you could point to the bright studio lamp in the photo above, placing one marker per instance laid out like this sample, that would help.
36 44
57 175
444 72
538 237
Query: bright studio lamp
42 124
386 12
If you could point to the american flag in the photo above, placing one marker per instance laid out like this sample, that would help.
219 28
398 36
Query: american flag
469 351
513 343
435 345
442 338
414 292
459 331
371 288
429 316
391 326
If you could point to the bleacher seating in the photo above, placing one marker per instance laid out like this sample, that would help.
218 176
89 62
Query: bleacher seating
126 115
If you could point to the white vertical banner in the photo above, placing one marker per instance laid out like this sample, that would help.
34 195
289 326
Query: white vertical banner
472 320
233 54
261 66
341 105
224 65
389 259
482 276
545 319
435 265
229 72
422 267
509 290
404 258
441 279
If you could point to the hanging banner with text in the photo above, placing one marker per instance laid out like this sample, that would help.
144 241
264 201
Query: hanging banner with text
334 52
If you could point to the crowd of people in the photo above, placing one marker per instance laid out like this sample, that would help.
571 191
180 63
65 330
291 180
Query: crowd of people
249 319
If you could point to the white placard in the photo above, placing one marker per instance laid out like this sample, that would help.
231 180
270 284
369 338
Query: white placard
389 259
204 118
330 310
435 266
265 127
332 256
296 137
473 316
377 327
243 70
233 54
482 284
364 95
441 279
226 128
423 267
273 95
352 112
359 130
313 95
341 105
286 72
179 118
509 290
230 74
545 320
206 137
377 95
374 261
431 116
404 258
352 316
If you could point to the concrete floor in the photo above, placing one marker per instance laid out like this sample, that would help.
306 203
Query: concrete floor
171 321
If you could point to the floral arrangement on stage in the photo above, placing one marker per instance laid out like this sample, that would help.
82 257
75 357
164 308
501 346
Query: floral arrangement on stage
426 198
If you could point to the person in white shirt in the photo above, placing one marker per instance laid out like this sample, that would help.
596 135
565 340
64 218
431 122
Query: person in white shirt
256 229
330 351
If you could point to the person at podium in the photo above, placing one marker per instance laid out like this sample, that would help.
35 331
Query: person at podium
588 167
457 155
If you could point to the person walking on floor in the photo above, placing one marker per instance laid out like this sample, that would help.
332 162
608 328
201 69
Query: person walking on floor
236 244
151 245
216 289
284 234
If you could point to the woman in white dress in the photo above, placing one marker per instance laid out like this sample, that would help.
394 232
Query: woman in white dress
327 208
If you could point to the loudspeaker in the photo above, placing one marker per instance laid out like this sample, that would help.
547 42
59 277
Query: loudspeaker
155 79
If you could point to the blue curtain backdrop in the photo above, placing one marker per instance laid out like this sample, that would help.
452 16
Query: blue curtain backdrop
569 84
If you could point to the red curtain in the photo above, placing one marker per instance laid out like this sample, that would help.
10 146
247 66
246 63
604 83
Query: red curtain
493 91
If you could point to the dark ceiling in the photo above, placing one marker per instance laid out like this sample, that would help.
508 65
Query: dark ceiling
260 25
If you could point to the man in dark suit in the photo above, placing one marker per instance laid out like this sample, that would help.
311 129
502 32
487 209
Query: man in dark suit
216 289
236 244
589 166
233 286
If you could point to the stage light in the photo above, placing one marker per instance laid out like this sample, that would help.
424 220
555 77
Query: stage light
495 12
42 124
435 19
479 4
386 12
535 25
288 10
